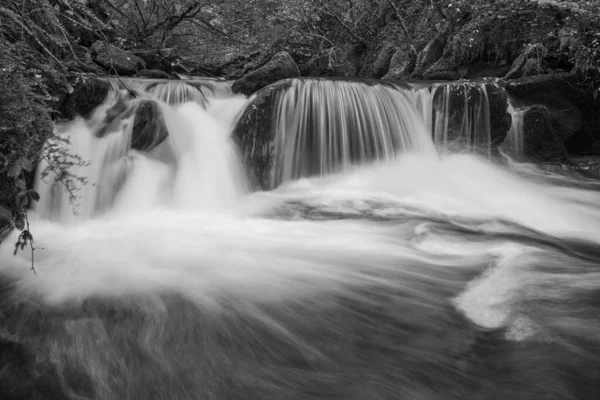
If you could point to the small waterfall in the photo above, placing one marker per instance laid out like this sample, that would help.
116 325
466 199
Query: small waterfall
461 117
143 153
318 127
513 145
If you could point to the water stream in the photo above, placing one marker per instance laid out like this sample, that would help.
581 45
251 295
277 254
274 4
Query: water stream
376 268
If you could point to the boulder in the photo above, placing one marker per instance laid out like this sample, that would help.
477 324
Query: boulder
255 133
429 55
528 63
114 59
152 74
149 129
86 96
500 118
462 103
570 101
382 63
402 64
444 69
281 66
540 140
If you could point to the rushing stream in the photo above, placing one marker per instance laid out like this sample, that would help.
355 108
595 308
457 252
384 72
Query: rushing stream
377 267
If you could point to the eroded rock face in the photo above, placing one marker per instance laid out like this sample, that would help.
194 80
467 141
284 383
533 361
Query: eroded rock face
281 66
116 60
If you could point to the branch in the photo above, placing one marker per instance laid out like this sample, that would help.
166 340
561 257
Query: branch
403 27
346 27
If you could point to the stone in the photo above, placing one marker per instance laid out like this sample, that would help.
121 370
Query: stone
528 63
86 96
152 74
149 129
114 59
402 64
569 99
281 66
541 142
429 55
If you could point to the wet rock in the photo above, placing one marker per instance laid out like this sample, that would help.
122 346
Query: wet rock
281 66
541 141
149 129
569 99
500 118
114 59
255 132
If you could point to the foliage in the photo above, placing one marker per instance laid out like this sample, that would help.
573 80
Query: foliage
25 128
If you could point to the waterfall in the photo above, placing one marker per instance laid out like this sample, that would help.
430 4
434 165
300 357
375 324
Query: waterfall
513 145
162 147
307 127
462 117
388 259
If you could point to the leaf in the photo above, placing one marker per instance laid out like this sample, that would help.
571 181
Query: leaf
33 195
5 215
20 183
15 170
25 164
22 200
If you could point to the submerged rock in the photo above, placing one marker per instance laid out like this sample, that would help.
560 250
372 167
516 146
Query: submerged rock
281 66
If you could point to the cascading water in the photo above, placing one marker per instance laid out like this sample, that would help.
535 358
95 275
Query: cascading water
411 275
513 145
461 117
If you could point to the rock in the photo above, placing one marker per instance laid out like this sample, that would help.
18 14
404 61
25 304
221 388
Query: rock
574 112
528 63
429 55
80 66
382 63
541 142
87 95
152 74
462 107
116 60
444 69
255 132
149 129
500 118
402 64
281 66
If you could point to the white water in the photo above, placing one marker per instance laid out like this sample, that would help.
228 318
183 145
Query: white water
183 222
